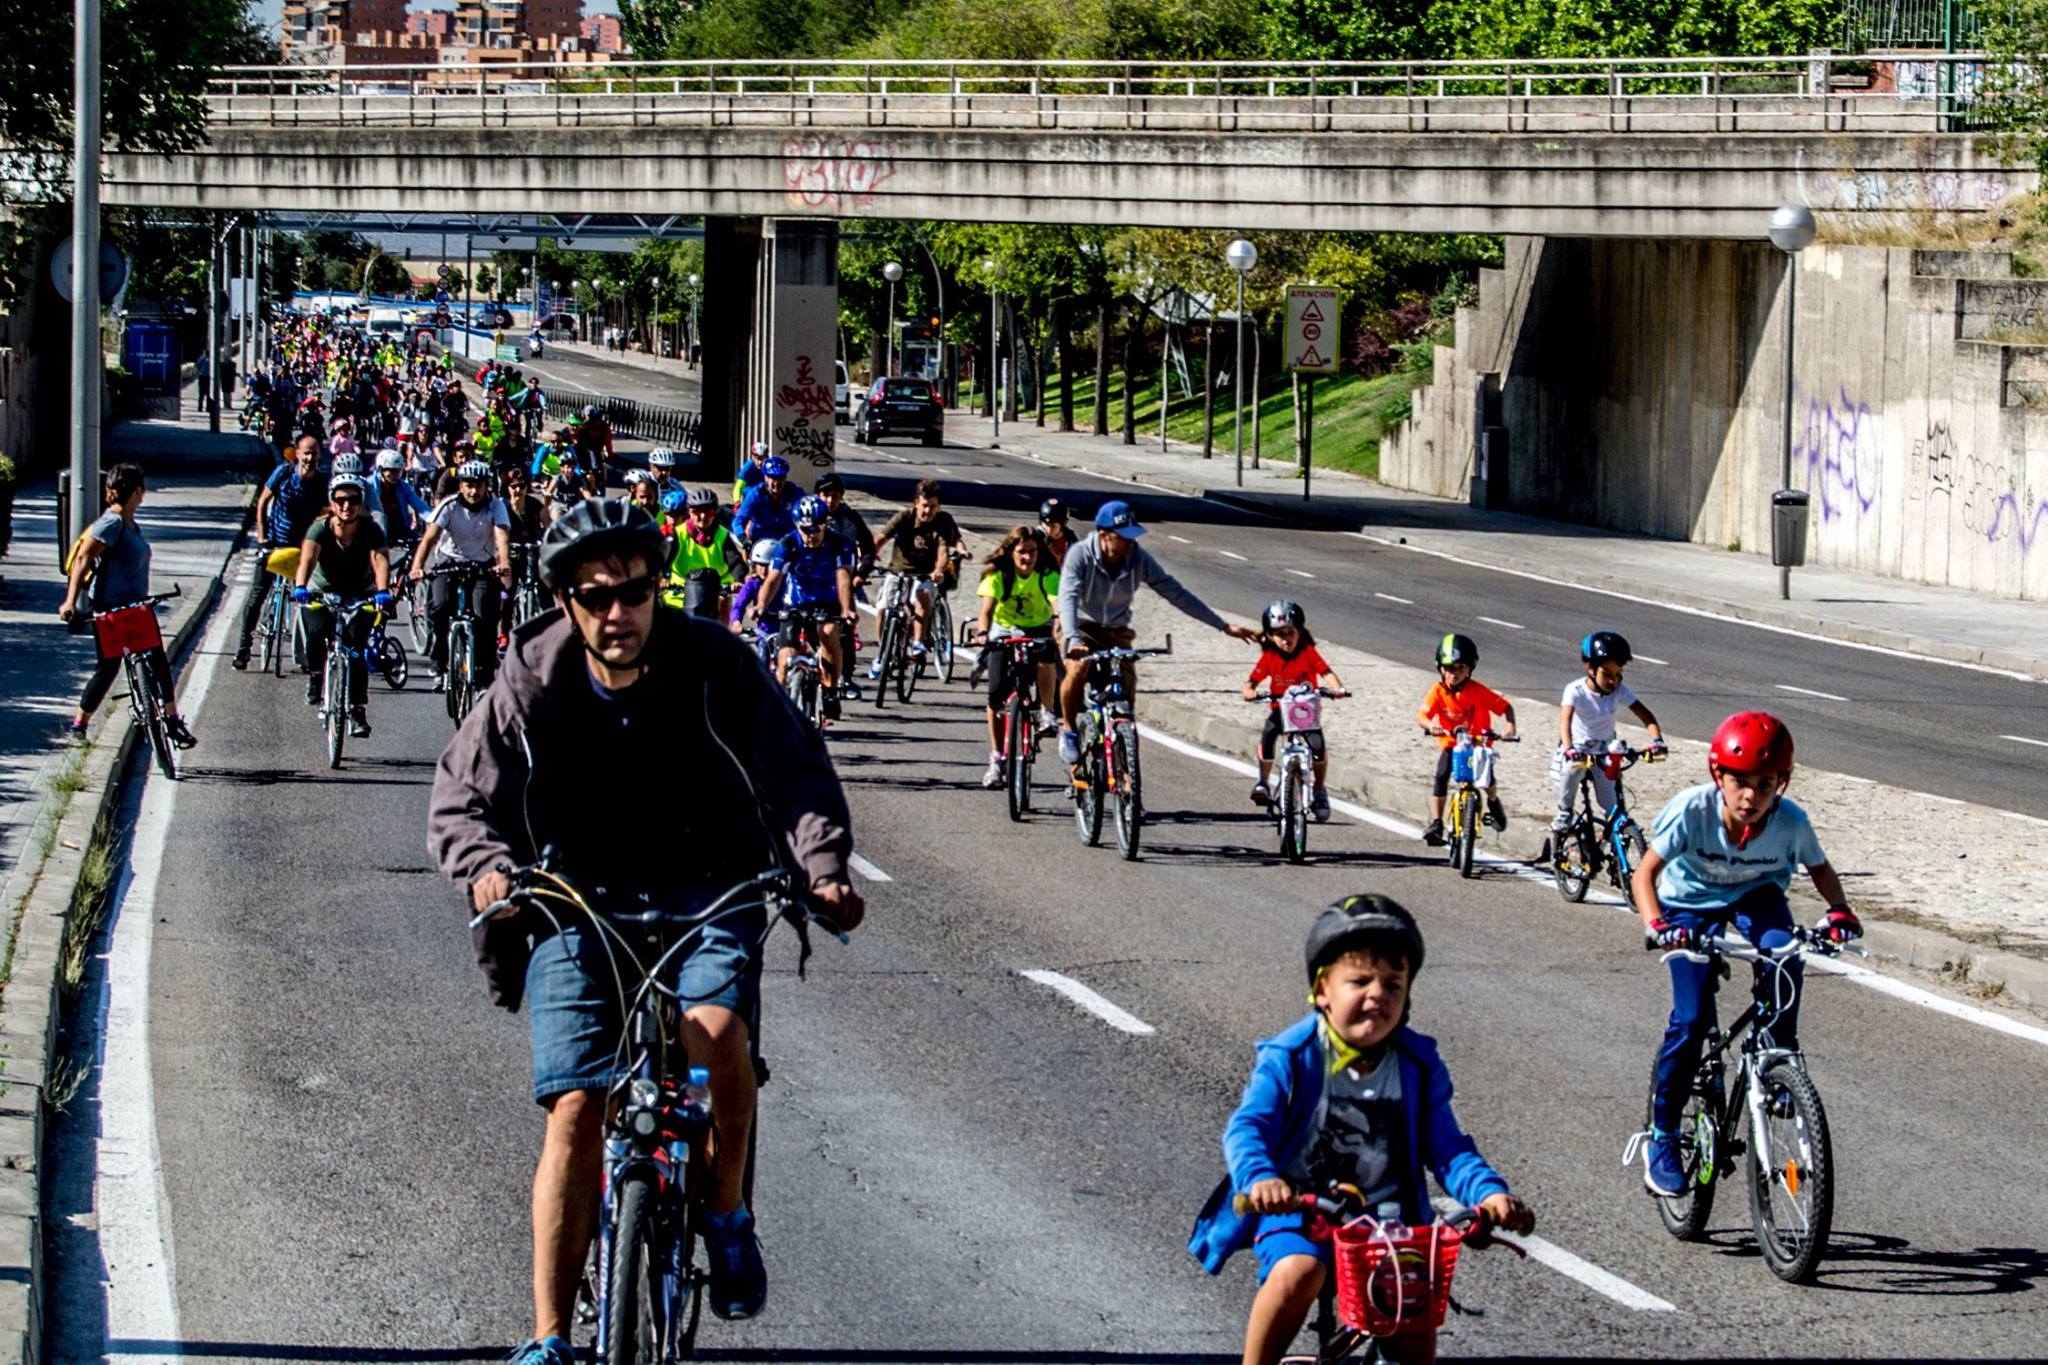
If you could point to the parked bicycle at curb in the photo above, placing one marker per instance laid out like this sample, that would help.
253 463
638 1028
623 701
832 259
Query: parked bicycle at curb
1108 769
129 632
1592 844
1389 1280
1772 1108
645 1288
1471 780
1293 779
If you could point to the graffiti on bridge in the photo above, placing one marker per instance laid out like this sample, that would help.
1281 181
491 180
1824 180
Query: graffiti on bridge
1839 444
807 397
1928 186
840 174
802 441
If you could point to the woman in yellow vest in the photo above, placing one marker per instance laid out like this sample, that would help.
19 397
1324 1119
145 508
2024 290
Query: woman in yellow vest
707 560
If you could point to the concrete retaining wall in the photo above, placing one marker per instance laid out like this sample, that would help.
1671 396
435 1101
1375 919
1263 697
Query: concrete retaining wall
1642 387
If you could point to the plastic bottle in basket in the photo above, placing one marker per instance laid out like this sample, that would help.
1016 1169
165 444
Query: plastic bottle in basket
697 1089
1461 759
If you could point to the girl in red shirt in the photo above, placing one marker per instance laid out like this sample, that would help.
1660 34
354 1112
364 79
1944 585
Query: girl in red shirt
1290 659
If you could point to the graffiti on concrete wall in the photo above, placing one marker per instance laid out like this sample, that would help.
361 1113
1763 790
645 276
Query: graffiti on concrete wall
837 174
1993 503
805 417
1928 186
1838 442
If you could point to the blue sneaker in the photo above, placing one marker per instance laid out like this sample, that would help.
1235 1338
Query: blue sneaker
739 1281
1662 1172
547 1351
1070 748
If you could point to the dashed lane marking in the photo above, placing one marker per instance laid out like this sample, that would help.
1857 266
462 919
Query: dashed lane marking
2022 739
1389 597
1115 1016
1809 692
1301 573
867 869
1181 540
1232 554
1647 659
1496 621
1547 1252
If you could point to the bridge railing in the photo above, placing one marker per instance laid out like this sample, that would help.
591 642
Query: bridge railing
1816 93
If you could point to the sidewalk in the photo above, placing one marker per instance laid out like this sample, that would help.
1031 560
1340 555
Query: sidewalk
1942 623
199 487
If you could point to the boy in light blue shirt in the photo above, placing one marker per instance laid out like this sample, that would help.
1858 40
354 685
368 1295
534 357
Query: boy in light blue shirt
1725 852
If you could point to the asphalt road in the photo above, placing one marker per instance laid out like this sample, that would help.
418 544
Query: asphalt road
579 373
958 1163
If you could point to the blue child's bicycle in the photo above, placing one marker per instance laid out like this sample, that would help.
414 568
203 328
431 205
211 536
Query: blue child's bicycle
1592 844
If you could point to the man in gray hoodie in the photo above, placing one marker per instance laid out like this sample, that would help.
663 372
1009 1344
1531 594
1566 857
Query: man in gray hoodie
601 705
1098 580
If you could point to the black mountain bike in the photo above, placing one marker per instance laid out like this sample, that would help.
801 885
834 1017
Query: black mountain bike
1108 770
646 1290
1772 1109
1592 845
334 697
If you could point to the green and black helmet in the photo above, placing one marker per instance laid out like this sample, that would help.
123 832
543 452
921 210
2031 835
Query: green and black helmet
1375 924
1457 649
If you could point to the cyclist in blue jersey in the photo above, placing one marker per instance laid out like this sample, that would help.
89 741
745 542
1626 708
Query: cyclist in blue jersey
813 568
769 510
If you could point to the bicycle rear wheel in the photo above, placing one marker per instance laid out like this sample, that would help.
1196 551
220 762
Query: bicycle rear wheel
393 663
154 709
1130 809
1699 1156
1572 861
1017 756
632 1292
1792 1175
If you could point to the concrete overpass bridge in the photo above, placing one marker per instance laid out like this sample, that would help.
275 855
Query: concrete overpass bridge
1629 148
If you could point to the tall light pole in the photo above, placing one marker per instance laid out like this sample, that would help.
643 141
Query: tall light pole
995 311
659 282
1241 257
892 272
85 270
1792 231
691 357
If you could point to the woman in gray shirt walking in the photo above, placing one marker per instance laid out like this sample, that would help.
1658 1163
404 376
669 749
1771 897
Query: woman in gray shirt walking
116 554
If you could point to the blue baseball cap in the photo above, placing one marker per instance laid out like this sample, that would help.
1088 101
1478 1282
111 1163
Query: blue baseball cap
1118 517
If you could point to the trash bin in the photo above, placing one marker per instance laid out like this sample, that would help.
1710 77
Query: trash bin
1490 470
1790 510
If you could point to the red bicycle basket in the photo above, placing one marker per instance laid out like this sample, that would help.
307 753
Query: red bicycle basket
1387 1285
130 630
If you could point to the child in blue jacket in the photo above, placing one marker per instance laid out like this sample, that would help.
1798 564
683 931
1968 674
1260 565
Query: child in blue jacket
1348 1094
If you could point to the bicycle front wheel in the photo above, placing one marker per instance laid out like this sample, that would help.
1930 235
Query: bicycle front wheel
1468 836
1088 796
632 1298
1792 1175
393 663
1130 810
1017 756
907 670
273 633
1629 851
886 645
942 637
416 616
1294 814
334 707
1572 862
457 679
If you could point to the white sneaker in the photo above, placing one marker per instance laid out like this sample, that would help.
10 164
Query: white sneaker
875 669
992 780
917 649
1048 723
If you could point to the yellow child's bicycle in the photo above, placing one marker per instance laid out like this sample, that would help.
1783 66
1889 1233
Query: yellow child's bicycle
1471 780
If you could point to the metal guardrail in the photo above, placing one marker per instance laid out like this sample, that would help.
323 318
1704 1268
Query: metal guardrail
1817 92
677 428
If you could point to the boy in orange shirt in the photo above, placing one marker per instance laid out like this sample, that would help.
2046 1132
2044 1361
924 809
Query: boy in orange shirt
1457 701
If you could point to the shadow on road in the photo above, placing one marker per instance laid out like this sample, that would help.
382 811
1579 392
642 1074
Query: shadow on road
1870 1263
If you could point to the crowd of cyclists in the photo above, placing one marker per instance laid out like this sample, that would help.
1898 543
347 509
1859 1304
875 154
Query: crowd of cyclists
393 482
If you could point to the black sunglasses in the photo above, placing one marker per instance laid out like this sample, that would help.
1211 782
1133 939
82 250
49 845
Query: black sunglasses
597 598
348 502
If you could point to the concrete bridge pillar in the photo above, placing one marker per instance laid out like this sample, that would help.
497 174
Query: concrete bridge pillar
772 292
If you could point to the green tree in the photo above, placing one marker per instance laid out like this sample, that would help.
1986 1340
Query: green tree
2015 94
382 274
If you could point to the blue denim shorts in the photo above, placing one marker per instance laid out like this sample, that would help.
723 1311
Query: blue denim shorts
1280 1235
574 1008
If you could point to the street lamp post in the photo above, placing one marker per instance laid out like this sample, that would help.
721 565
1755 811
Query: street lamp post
691 357
995 397
1241 257
892 272
1792 231
85 271
659 282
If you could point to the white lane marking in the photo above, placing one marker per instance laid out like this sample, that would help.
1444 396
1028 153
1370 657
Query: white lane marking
1549 1253
1926 999
1116 1017
1496 621
983 482
1179 539
1809 692
1232 554
560 379
1647 659
1300 573
2022 739
1389 597
2021 815
129 1190
1683 610
867 869
1875 980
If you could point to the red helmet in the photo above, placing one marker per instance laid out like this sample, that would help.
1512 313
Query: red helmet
1751 742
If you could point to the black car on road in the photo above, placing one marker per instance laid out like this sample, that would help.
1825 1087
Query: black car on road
900 406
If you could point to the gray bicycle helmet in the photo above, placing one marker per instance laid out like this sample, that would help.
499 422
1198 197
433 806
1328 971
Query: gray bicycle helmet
341 481
596 526
661 457
1371 922
390 459
701 497
763 551
473 470
1282 612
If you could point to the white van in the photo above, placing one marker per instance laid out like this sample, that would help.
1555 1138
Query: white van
383 320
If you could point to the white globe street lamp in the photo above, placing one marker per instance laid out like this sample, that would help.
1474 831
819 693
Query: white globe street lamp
892 272
1241 256
1792 231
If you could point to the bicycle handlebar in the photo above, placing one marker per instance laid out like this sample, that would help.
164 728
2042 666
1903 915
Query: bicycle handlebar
1335 1210
155 599
1477 736
1704 948
1123 652
1333 694
779 880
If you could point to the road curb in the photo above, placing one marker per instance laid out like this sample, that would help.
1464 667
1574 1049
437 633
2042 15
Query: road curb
2009 660
30 1010
1974 968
